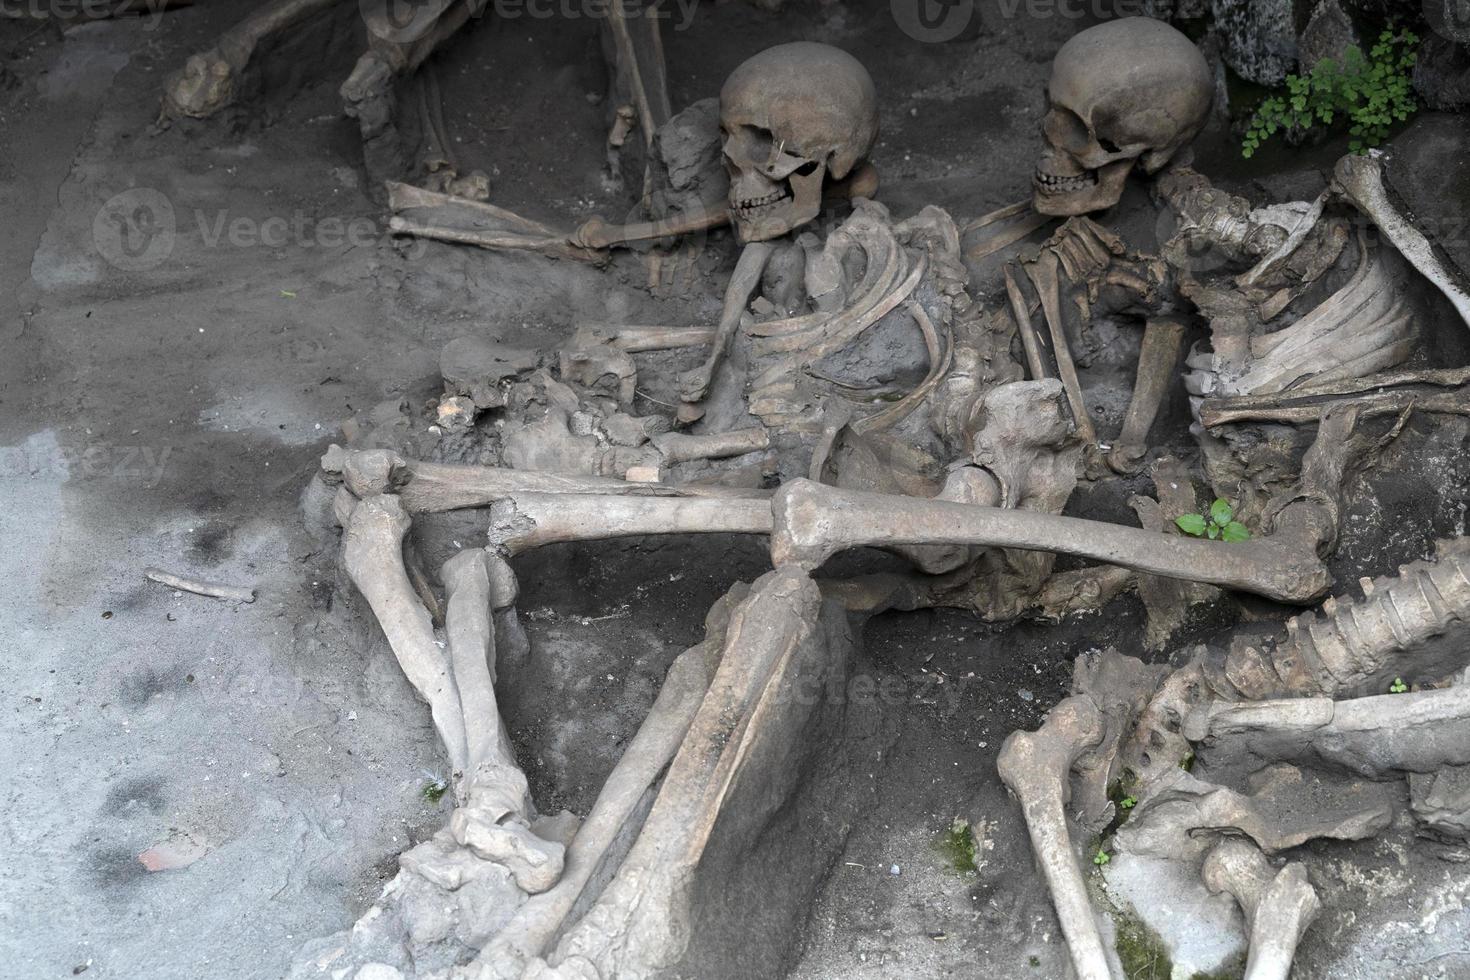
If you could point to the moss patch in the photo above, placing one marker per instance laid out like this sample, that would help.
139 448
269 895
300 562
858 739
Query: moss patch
957 844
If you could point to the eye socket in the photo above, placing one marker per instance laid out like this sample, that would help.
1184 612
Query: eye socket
1108 145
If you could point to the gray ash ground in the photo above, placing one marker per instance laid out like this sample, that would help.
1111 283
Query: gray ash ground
173 416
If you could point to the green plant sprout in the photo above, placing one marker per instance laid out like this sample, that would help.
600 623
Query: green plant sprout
1370 91
1398 686
1101 858
1128 803
1219 523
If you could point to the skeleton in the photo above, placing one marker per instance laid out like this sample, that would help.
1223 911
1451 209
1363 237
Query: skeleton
965 475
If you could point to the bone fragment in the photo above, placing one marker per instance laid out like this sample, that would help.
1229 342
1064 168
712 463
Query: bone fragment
1360 177
523 521
1278 905
1436 390
814 522
372 551
1162 340
694 385
214 590
471 638
433 487
1002 227
1036 767
209 80
634 339
679 447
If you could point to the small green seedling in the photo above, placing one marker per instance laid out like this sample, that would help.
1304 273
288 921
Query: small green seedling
1101 858
1219 524
434 791
1128 803
1398 686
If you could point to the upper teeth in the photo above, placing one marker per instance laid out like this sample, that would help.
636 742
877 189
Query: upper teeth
1056 184
752 203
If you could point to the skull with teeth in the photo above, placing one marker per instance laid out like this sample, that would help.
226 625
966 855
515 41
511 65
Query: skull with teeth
789 117
1127 92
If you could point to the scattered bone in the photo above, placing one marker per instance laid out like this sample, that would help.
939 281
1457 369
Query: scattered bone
1000 228
1278 905
1446 390
214 590
1036 767
636 339
523 521
815 522
1043 275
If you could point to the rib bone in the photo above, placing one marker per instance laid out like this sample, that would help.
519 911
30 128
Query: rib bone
1278 906
814 522
1036 767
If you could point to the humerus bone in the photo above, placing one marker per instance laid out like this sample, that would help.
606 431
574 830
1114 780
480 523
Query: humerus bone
814 522
1036 767
1374 736
372 551
523 521
1278 905
1162 340
432 487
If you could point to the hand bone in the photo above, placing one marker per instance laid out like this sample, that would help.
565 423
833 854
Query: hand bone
814 522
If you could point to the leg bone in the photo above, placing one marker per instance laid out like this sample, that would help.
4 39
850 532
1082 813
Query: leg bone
529 520
814 522
1278 906
1036 767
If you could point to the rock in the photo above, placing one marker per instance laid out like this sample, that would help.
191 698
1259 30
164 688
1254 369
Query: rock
1259 38
1429 170
377 971
624 430
1328 34
686 171
1441 801
1203 933
1442 73
477 369
1450 19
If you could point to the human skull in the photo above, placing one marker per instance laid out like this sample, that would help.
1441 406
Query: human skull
790 116
1127 91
